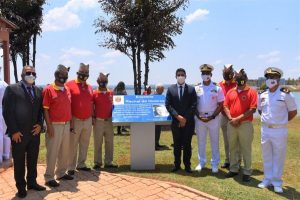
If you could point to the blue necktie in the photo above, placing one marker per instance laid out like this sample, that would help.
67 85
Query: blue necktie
30 94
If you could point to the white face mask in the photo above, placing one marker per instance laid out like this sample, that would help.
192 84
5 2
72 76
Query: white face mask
29 79
271 83
205 77
180 80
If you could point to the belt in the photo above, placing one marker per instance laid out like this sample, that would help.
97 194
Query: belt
79 119
60 122
275 125
206 114
100 119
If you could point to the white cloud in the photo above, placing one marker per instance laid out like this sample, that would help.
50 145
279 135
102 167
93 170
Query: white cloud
218 62
112 54
65 17
298 58
68 54
271 57
197 15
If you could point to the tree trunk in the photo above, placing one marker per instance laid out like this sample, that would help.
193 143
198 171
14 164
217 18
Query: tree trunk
146 68
27 52
34 50
139 71
14 61
134 69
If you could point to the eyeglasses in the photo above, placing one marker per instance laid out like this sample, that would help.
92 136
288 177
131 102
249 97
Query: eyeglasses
30 73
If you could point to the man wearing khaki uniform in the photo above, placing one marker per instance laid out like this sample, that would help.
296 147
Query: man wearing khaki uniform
57 111
239 105
103 127
81 124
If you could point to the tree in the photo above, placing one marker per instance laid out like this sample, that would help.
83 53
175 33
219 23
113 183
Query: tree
141 26
27 15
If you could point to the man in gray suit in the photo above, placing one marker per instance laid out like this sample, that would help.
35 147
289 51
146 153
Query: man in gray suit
22 112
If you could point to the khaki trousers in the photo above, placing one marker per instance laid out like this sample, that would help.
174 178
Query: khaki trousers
103 129
240 139
57 151
81 138
224 124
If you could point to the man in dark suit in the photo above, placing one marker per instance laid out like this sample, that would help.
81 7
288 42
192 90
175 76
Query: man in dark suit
181 102
22 112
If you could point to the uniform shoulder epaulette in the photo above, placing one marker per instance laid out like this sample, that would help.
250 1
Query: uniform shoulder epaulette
215 83
262 91
285 90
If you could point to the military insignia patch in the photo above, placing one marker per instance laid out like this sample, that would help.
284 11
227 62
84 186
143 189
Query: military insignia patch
244 98
285 90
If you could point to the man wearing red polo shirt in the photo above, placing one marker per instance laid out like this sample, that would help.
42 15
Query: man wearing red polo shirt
57 112
81 124
103 126
239 106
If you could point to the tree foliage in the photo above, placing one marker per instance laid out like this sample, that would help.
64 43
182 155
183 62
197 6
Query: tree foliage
141 26
28 16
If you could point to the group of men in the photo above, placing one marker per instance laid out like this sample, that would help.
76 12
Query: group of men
197 108
70 109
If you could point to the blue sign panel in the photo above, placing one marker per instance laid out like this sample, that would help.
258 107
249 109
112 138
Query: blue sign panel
140 108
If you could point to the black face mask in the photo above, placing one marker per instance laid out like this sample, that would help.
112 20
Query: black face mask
227 77
102 84
82 77
61 79
240 82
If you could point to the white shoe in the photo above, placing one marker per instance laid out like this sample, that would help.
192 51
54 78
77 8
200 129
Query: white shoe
198 168
263 185
278 189
214 170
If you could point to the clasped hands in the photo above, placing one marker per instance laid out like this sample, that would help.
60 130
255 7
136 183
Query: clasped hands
16 137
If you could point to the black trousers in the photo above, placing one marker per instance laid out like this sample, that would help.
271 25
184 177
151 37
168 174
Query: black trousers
157 134
27 149
182 138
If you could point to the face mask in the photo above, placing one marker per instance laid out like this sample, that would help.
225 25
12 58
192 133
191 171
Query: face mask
205 77
62 80
240 82
180 80
82 77
227 77
271 83
29 79
102 83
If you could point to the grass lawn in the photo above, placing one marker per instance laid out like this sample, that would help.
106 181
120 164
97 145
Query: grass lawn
205 181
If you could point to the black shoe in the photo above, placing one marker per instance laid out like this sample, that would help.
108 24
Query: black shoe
71 172
188 170
97 167
110 166
119 133
158 148
66 177
36 187
22 193
225 165
246 178
52 183
124 130
87 169
231 174
175 169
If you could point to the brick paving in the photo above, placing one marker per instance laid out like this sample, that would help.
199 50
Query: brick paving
101 185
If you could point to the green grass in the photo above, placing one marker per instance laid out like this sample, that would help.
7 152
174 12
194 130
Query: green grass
205 181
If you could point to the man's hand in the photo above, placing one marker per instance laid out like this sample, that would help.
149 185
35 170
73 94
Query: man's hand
182 121
50 131
36 129
16 137
235 122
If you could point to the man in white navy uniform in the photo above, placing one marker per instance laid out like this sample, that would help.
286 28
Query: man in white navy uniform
210 99
277 106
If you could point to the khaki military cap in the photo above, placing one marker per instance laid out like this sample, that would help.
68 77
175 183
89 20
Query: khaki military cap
273 70
206 67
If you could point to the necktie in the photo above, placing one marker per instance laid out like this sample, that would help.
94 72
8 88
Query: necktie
180 92
30 94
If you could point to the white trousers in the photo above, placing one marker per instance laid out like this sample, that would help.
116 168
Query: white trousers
5 143
273 143
202 128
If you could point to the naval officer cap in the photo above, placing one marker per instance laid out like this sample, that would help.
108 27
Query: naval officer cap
206 68
273 70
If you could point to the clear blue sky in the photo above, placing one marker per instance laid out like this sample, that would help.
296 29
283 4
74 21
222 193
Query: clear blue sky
250 34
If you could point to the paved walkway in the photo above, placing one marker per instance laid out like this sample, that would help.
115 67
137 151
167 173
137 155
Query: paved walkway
100 186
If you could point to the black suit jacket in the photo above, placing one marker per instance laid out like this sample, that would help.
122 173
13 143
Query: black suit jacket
19 113
185 107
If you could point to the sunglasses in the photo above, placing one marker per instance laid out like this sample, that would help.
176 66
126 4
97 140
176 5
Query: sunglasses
30 73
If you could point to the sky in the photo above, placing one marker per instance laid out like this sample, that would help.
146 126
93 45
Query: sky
250 34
